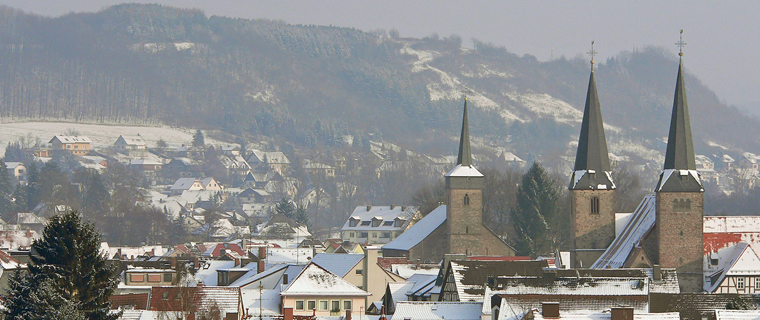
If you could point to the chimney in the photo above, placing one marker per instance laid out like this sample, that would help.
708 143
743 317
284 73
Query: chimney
657 273
369 207
418 264
622 313
392 206
550 309
174 263
348 314
382 314
222 252
196 263
262 255
287 313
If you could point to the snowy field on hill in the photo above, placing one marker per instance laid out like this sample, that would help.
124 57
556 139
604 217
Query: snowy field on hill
100 134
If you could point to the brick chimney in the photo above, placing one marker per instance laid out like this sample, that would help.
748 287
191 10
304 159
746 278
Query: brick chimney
262 257
287 313
550 309
622 313
348 314
657 273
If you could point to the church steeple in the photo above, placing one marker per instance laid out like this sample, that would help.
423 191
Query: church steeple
679 155
465 156
680 152
592 162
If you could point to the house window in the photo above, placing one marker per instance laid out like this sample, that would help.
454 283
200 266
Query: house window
374 234
362 234
167 277
595 205
351 234
137 277
165 295
466 199
311 305
757 284
347 304
358 271
322 305
740 283
386 235
335 305
154 278
299 305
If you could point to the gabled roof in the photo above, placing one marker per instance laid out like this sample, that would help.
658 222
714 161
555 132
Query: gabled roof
338 263
183 183
165 298
425 310
641 221
71 139
131 140
384 213
470 276
315 280
742 261
419 231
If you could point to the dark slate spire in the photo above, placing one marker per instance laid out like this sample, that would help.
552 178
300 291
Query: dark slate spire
592 145
592 162
680 170
680 152
465 157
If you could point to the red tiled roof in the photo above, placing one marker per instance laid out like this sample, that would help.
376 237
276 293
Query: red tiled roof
139 301
194 298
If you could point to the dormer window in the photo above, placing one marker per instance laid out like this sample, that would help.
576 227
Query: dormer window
353 221
398 222
376 221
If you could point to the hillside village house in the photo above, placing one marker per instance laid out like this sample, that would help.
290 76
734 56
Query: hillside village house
76 145
377 224
322 293
133 146
192 184
17 171
276 160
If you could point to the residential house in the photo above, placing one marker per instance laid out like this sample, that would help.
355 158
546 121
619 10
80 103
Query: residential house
361 270
76 145
319 169
275 160
322 293
195 184
377 224
251 195
235 164
187 302
17 171
280 227
739 271
133 146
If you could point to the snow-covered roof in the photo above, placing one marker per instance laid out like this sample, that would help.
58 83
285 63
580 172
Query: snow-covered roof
595 315
316 281
399 289
425 310
419 231
132 140
289 255
582 286
386 215
741 260
338 263
464 171
737 314
265 302
71 139
13 165
641 221
183 183
250 278
207 272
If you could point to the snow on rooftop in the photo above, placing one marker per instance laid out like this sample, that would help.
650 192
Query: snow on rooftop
315 280
425 310
338 263
737 314
207 272
419 231
640 222
464 171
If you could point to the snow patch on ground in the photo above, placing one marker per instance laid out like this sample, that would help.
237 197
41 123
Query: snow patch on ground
636 148
546 105
184 45
484 72
100 134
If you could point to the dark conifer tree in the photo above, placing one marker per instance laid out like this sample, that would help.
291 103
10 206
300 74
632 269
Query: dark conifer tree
69 255
198 139
33 193
535 214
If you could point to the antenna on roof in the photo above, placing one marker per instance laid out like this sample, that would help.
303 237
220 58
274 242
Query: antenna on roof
680 44
592 53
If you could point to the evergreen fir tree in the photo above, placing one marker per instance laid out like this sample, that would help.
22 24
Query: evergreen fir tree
33 193
198 139
535 214
7 207
69 255
19 198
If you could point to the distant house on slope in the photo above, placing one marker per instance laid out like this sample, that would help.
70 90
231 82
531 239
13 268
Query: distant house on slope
322 293
76 145
133 146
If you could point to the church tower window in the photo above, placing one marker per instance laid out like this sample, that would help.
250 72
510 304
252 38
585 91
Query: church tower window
595 205
466 199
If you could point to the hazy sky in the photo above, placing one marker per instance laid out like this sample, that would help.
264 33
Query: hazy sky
723 36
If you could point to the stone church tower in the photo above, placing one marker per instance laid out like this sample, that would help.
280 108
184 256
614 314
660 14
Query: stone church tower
591 187
680 199
465 232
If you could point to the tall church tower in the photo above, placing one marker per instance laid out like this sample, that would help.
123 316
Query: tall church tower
464 213
591 186
680 199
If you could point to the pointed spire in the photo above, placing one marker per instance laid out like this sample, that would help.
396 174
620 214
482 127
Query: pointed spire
680 151
592 144
465 157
